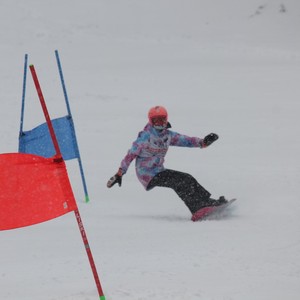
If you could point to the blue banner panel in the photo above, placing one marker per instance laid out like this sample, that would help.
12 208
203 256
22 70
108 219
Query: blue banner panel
38 140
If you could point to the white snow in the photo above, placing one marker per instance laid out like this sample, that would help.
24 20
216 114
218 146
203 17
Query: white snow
230 67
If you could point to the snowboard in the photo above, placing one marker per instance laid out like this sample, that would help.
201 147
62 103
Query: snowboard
211 211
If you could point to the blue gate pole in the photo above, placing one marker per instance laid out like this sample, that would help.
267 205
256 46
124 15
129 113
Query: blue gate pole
70 115
23 96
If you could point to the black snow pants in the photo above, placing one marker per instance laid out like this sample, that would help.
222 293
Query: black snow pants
186 186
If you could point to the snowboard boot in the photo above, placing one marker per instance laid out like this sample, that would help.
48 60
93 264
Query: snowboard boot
213 202
221 201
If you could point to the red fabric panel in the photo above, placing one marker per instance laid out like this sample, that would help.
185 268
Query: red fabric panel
33 189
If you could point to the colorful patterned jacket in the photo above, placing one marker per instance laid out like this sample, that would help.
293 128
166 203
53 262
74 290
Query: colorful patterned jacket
150 148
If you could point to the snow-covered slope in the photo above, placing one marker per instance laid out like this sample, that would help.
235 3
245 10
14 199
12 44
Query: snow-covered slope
230 67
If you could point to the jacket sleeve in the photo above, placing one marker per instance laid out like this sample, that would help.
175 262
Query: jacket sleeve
182 140
134 151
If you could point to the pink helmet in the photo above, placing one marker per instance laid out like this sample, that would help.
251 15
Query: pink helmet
157 111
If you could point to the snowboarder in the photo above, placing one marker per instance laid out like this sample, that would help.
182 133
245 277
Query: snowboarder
149 150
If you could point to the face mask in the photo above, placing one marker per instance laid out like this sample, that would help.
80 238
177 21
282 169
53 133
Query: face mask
158 127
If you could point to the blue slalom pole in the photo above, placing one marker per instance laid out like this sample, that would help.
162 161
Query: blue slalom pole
23 95
87 199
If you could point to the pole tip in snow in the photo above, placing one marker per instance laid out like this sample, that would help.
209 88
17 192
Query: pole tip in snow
102 297
87 199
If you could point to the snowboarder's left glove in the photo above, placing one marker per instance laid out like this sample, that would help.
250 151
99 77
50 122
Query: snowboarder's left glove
117 178
209 139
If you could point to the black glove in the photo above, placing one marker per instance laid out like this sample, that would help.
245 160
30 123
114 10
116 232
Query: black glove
117 178
209 139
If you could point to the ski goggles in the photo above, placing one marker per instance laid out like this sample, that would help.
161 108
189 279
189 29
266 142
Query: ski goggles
159 121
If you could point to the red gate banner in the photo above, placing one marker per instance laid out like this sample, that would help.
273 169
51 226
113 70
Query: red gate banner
33 189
